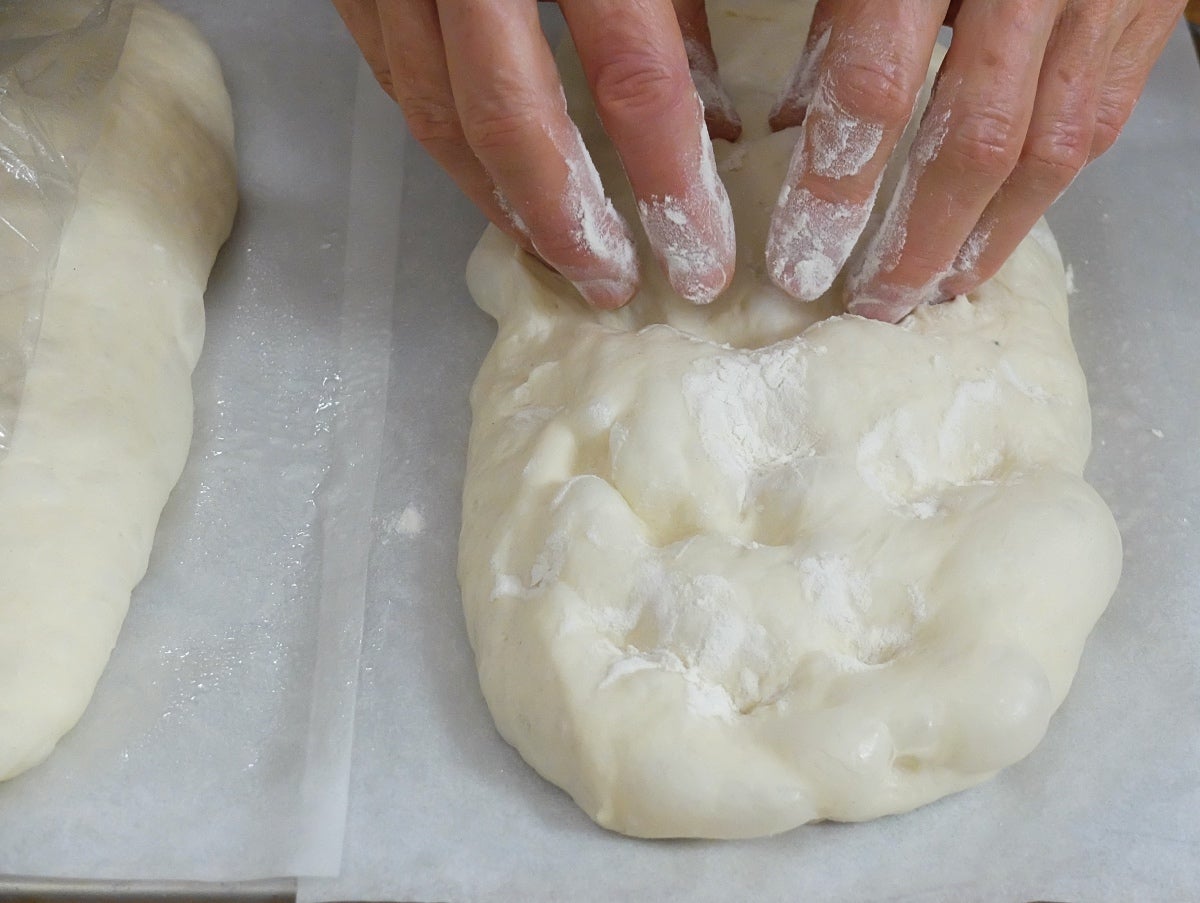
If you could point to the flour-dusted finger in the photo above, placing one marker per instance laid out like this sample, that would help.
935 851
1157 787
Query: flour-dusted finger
420 83
514 116
720 115
870 63
635 62
792 102
1139 46
362 21
1057 145
968 144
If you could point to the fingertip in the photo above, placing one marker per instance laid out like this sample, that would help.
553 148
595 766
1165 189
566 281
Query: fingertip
874 308
720 115
810 240
792 104
725 125
699 264
787 117
804 280
891 302
698 259
706 289
960 284
692 233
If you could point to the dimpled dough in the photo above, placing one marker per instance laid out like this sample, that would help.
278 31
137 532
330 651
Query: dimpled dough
728 570
106 416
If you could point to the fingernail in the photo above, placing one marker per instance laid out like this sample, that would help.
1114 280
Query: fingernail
793 100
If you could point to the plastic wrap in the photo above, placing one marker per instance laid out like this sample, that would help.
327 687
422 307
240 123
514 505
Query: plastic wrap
57 60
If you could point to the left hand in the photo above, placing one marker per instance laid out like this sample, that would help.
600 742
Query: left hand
1029 93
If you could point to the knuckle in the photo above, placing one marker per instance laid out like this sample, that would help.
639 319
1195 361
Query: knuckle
499 125
986 140
639 85
1110 120
1105 137
559 247
432 120
876 90
383 75
1057 156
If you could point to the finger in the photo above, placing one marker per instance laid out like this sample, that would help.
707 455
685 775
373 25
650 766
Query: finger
720 116
1056 147
634 60
1130 64
792 103
515 118
966 147
362 21
872 63
420 83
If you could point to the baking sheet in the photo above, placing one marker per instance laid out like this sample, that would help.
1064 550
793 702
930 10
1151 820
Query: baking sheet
217 746
1106 809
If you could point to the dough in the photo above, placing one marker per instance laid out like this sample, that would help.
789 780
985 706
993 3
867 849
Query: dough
105 419
728 570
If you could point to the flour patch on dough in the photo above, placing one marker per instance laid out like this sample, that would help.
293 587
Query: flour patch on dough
727 570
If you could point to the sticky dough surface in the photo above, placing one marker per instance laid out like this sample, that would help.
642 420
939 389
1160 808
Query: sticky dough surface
728 570
105 420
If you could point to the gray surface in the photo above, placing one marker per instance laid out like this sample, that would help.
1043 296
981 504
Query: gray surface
34 890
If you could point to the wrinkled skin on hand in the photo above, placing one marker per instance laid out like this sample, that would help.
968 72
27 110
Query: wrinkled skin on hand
1030 92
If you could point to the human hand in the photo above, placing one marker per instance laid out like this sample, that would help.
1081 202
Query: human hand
1030 92
479 89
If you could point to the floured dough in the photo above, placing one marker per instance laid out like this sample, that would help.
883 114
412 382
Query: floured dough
728 570
105 418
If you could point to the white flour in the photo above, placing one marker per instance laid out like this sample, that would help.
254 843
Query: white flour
600 231
885 248
409 522
811 239
748 409
708 85
837 143
798 89
847 572
693 234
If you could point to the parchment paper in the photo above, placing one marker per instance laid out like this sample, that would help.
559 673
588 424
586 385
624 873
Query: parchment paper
1107 810
217 746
